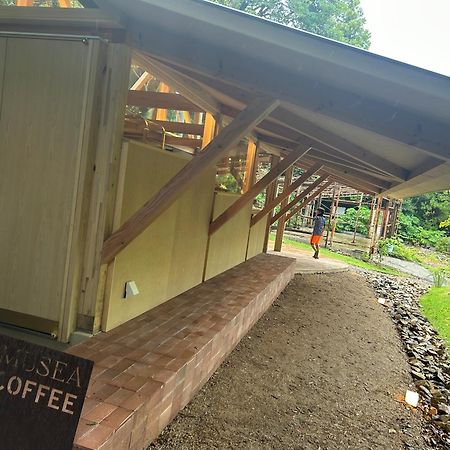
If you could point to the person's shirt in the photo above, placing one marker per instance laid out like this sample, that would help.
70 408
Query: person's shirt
319 225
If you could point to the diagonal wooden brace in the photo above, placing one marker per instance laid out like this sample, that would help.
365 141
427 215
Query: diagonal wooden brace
297 199
292 187
240 203
308 200
230 136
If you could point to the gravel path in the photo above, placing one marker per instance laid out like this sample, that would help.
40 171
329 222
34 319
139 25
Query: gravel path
321 370
410 267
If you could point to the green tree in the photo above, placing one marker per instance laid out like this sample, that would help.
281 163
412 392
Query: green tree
341 20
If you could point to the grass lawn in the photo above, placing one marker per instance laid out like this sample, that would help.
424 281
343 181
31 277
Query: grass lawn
436 308
347 259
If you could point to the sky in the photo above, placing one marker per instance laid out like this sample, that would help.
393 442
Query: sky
413 31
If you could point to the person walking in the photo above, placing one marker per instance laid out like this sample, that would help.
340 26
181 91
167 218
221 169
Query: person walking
319 228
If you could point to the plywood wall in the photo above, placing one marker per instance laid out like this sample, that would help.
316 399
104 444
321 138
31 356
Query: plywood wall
256 240
168 258
43 156
228 246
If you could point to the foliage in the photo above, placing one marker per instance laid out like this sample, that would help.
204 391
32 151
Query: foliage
440 276
430 209
436 306
346 222
445 223
228 182
398 249
341 20
411 230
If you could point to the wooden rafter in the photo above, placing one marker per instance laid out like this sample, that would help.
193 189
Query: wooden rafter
199 96
298 198
286 192
181 127
150 99
226 139
262 184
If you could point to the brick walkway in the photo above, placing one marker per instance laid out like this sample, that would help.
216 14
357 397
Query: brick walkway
148 369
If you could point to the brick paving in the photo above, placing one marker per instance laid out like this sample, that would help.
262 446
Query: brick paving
149 368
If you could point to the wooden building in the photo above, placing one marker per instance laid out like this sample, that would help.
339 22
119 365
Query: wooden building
106 214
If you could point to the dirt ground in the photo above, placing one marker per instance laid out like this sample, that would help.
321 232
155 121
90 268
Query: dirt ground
320 370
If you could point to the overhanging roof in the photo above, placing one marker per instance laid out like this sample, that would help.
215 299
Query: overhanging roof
376 123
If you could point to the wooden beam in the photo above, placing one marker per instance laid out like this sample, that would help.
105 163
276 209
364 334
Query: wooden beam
286 192
65 4
297 198
141 82
180 127
85 18
250 166
242 201
282 223
187 87
183 141
161 113
150 99
209 129
24 3
226 139
308 200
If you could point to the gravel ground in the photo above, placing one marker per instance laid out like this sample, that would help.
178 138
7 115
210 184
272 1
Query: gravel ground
322 369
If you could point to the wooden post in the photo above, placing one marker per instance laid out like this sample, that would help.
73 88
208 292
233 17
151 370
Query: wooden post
271 192
336 206
282 221
358 213
330 217
209 130
250 166
376 222
386 214
262 184
24 3
161 114
240 127
65 4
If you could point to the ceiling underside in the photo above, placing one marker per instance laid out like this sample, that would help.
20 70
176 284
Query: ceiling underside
376 124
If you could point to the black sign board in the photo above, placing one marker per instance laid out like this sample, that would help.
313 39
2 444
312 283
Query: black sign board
41 395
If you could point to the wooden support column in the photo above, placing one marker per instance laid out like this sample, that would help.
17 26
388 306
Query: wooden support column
230 136
330 217
24 3
286 192
298 198
65 4
376 220
209 130
250 166
336 206
386 214
271 193
282 222
307 200
241 202
358 213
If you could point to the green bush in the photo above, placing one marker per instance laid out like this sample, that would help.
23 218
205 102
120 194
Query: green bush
399 249
346 222
440 277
